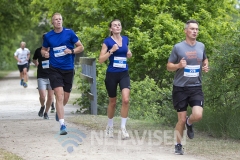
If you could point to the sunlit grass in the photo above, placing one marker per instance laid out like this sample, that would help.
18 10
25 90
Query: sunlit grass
201 146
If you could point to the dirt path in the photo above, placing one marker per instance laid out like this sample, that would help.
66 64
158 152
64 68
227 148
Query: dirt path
24 133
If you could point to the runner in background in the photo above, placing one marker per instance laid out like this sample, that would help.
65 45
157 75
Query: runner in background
44 87
22 55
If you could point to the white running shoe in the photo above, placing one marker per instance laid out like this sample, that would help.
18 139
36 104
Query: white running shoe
109 132
125 134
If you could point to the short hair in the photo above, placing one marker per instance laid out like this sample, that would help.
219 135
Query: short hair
24 43
56 14
190 21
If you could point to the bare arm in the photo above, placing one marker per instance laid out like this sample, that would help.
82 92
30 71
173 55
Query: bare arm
129 54
44 52
173 67
104 55
205 67
28 56
79 47
35 62
16 57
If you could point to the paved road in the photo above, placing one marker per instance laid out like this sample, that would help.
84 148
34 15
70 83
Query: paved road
24 133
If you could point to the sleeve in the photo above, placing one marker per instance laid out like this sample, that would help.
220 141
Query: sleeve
127 40
173 56
75 38
105 41
35 56
45 43
16 53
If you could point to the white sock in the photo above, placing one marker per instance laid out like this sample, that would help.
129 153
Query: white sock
123 122
110 122
188 122
61 121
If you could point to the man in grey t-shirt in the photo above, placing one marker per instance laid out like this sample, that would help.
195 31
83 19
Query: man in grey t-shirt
188 59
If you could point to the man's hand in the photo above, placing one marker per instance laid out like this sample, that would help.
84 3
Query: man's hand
46 54
182 63
205 68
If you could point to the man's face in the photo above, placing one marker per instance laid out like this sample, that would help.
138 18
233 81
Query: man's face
57 21
22 45
192 31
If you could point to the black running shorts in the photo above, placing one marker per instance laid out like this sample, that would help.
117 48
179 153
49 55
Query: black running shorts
21 67
113 79
61 78
184 96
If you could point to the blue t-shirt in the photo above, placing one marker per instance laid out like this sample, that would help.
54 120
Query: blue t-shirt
58 42
118 60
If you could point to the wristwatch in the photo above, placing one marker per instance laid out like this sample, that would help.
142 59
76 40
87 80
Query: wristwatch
72 51
110 52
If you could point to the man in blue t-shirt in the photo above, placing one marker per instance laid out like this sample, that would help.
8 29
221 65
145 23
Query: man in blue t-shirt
61 42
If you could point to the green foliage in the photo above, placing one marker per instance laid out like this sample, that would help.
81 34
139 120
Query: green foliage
14 21
222 109
149 102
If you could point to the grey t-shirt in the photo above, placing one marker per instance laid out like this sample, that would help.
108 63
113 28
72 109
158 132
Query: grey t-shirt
191 75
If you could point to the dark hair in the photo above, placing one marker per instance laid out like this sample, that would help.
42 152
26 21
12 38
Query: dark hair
190 21
110 25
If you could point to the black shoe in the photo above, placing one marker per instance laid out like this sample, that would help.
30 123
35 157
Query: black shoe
179 149
40 113
190 132
45 116
53 108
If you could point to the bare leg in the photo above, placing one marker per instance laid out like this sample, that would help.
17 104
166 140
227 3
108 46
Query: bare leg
111 107
59 93
42 95
49 100
25 76
180 126
125 102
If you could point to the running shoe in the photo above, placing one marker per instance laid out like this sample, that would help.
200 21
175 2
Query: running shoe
125 134
190 132
40 113
21 82
179 149
45 116
53 108
109 132
63 130
25 85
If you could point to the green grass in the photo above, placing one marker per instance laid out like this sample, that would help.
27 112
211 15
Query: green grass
201 146
4 73
5 155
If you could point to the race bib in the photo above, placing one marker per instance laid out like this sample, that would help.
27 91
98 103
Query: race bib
59 51
192 71
45 64
120 62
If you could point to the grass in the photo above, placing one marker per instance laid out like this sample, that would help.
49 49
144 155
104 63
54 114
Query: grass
4 73
5 155
201 146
